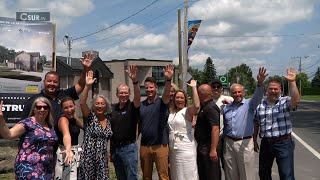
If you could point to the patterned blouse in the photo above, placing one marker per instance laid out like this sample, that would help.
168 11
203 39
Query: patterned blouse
94 158
36 156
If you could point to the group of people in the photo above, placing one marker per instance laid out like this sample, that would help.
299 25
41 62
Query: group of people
184 141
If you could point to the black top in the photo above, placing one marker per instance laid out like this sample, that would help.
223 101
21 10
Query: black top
74 130
153 123
124 122
56 110
208 116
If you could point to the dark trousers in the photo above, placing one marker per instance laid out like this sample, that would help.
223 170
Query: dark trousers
282 151
207 169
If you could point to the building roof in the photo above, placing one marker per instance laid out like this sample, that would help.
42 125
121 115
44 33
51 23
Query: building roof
76 67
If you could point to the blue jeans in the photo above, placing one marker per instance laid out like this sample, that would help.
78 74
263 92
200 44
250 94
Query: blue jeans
125 161
282 151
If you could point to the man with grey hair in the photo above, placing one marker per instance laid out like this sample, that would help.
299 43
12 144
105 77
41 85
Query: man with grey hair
238 116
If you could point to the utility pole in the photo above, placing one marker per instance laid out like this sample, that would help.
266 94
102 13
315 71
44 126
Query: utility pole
67 40
180 48
299 69
185 47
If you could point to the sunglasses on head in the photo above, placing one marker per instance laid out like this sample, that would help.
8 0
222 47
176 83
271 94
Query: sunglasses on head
40 107
216 87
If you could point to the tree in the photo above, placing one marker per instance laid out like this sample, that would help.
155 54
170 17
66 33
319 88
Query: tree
196 74
315 82
209 71
243 75
6 54
43 59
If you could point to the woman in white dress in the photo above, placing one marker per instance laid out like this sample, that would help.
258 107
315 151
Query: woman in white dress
183 152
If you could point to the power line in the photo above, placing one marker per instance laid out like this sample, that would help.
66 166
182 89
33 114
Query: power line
117 22
119 34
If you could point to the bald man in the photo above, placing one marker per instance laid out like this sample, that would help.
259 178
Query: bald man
238 116
207 135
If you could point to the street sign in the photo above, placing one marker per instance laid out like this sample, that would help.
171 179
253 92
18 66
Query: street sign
189 77
224 80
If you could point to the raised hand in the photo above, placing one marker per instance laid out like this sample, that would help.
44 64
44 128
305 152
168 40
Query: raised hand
168 71
133 73
89 78
291 74
87 60
193 83
261 75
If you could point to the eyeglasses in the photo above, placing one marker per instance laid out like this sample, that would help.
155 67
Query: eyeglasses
40 107
216 87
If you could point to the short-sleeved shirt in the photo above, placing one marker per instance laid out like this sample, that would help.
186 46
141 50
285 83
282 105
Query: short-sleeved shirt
153 122
56 109
274 121
36 156
124 122
208 116
220 104
74 130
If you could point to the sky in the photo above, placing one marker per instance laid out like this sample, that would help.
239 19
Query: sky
275 34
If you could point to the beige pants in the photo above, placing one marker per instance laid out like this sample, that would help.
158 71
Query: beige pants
239 159
64 171
158 154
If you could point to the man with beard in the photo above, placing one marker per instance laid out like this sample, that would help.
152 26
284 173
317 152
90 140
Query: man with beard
53 92
273 119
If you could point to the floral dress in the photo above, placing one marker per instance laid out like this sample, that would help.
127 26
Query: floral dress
36 156
94 158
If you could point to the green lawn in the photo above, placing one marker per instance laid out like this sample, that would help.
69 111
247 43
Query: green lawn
311 97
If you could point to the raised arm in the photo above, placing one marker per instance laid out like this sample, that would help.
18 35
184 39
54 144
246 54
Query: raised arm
63 125
13 133
79 122
294 92
86 63
168 73
136 87
192 110
84 96
258 93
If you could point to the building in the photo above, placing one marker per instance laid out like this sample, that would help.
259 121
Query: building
70 74
26 61
146 68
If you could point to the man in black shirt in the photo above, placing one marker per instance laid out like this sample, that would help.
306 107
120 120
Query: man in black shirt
207 135
53 92
124 119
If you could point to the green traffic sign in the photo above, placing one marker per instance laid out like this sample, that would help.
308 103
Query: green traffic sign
224 80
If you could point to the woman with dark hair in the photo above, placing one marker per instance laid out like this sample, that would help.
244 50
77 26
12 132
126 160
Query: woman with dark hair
68 130
36 155
97 132
183 153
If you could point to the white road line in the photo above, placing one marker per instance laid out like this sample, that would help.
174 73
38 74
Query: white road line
314 152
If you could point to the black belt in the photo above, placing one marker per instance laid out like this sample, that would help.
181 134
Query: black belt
239 138
121 143
276 139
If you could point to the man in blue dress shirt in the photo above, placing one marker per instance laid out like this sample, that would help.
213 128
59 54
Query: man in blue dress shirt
238 116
